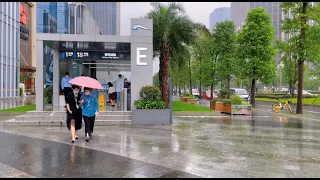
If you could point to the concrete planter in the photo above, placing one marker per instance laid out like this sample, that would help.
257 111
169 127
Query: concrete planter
192 101
151 116
237 109
184 99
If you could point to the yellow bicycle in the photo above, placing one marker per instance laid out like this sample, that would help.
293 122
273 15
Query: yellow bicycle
278 106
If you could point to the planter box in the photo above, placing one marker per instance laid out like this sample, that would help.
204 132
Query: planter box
192 101
184 99
237 109
213 105
151 116
219 106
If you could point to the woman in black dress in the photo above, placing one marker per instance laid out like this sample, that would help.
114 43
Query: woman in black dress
74 112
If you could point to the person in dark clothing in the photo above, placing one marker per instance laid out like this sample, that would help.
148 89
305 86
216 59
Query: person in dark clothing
65 85
125 83
74 112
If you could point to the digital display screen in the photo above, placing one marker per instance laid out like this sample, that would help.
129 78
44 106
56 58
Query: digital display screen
94 55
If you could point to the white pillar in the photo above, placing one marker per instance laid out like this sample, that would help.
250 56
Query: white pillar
56 80
39 77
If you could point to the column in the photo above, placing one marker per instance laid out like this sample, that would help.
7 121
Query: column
39 77
141 57
56 80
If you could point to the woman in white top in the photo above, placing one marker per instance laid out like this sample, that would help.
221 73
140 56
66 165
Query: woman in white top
112 93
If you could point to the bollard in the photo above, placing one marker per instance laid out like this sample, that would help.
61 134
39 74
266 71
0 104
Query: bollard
123 99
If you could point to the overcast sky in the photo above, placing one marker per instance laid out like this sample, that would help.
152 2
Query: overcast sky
197 11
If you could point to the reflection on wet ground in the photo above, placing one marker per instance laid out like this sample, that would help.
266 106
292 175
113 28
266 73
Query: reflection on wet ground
263 145
15 102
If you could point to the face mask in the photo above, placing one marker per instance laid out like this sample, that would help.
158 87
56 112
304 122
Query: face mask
75 92
87 93
67 76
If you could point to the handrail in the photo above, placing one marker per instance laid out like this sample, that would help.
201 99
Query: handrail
75 18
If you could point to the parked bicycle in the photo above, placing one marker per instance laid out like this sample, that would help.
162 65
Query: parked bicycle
277 107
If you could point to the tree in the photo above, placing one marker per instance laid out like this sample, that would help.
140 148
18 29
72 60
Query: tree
225 43
256 51
288 49
172 30
297 25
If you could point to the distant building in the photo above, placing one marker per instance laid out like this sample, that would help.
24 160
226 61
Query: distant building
9 49
28 45
239 11
219 15
107 16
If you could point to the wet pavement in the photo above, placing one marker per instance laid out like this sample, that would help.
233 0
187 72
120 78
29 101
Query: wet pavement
263 145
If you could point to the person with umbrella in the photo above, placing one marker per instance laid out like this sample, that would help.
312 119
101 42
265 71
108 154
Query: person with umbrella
90 109
74 112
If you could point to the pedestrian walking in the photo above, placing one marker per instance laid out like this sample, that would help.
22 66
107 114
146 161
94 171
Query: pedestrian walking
90 109
112 94
119 85
66 86
74 112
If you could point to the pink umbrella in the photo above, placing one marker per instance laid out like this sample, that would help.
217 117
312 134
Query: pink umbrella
86 82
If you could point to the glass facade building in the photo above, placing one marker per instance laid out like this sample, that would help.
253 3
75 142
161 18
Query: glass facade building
9 49
219 15
106 15
52 17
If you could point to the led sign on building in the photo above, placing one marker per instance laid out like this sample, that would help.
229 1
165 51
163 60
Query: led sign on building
24 31
93 55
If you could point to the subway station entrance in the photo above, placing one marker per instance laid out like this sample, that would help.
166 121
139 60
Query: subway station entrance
103 61
98 56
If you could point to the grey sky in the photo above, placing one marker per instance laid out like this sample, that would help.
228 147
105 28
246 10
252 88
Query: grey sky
197 11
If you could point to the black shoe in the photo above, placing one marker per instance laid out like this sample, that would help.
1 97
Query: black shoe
72 141
87 139
77 137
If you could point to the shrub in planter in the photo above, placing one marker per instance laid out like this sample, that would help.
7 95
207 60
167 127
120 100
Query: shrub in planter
21 91
191 100
236 100
227 108
150 109
185 97
236 106
48 94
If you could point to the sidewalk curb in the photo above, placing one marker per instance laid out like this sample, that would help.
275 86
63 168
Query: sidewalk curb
311 105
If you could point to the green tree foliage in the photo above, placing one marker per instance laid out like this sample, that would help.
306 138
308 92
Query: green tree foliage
301 24
225 45
256 52
172 30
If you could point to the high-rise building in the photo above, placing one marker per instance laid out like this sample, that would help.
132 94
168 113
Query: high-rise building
52 17
27 45
239 11
107 16
219 15
9 49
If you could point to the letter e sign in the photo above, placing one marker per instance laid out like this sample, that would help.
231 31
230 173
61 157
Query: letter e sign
139 56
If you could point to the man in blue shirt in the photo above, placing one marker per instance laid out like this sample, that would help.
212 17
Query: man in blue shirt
66 86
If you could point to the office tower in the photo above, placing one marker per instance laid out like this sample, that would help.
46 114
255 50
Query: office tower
219 15
239 11
107 16
9 49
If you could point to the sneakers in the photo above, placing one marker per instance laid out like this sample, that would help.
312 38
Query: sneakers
72 141
87 138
